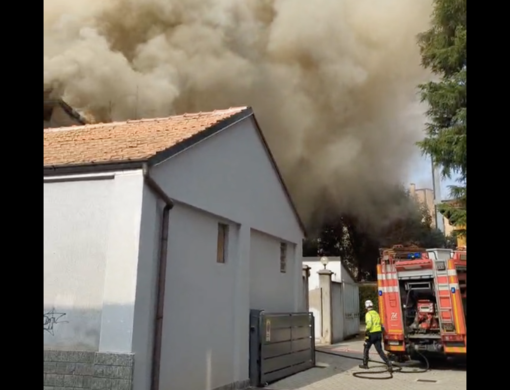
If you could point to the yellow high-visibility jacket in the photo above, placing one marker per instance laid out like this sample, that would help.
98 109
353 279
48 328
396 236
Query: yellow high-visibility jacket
373 322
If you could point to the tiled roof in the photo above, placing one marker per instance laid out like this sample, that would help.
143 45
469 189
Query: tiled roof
126 141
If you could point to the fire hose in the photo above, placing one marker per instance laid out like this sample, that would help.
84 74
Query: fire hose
396 367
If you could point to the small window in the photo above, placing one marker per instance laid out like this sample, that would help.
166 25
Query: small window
221 256
283 257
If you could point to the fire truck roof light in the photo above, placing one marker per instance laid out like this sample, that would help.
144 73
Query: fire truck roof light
414 255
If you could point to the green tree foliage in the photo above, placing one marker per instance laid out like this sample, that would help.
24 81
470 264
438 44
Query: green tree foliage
443 51
367 292
358 243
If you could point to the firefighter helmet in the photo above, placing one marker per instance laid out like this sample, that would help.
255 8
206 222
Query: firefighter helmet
368 304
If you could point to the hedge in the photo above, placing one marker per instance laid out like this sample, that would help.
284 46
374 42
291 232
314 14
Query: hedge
367 291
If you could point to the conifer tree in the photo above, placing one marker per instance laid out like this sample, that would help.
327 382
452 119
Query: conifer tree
443 51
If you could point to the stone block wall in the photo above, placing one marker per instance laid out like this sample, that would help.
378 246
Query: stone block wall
79 370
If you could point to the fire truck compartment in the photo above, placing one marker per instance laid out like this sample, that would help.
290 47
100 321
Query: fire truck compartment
419 308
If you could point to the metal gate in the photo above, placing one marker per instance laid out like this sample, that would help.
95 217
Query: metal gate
351 309
281 344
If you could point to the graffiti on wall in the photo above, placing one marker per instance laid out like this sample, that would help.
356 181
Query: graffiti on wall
52 318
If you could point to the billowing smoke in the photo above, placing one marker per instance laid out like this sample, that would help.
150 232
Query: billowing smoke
332 82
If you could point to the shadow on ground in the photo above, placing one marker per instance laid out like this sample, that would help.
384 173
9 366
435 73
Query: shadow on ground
450 364
326 367
332 369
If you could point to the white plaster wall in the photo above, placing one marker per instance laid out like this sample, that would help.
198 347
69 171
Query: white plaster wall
199 320
91 236
230 175
270 289
76 219
122 266
143 327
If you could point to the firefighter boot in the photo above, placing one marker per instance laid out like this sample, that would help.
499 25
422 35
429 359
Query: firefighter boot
366 350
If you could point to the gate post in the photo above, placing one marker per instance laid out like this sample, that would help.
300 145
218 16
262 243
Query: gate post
326 306
306 278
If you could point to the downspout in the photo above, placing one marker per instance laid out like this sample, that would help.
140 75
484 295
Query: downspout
161 277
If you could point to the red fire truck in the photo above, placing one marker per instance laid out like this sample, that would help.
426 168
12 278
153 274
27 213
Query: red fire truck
422 301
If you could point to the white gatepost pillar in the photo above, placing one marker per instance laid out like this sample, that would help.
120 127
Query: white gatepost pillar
327 306
306 282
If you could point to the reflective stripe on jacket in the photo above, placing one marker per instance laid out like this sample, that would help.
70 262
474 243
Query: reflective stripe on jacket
373 322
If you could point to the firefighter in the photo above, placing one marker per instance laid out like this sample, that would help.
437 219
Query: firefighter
373 335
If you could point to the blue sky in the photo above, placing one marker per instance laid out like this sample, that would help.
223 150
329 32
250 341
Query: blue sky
421 175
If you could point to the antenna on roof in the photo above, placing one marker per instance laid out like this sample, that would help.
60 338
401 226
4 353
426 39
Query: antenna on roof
136 103
110 110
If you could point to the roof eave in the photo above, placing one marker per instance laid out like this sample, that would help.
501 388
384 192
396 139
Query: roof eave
83 169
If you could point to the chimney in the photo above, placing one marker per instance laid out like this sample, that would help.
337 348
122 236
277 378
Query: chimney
412 189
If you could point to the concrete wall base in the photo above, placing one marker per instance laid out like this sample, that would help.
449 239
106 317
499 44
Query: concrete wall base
66 370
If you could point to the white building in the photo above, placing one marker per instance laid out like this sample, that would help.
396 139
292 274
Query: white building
159 236
340 272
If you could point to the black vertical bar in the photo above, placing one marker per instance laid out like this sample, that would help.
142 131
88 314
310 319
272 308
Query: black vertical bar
291 317
255 348
262 333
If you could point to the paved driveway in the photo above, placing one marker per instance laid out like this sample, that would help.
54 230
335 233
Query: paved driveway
335 372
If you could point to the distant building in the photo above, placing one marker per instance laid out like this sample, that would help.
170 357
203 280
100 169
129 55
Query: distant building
425 196
58 113
461 239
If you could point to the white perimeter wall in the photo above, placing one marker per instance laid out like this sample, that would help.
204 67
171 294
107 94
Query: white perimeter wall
345 297
91 236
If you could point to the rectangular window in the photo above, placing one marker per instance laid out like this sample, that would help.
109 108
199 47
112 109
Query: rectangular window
221 256
283 257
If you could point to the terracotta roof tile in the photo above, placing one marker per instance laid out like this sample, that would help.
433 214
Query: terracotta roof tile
125 141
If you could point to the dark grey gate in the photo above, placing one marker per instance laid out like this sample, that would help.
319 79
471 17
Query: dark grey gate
281 344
